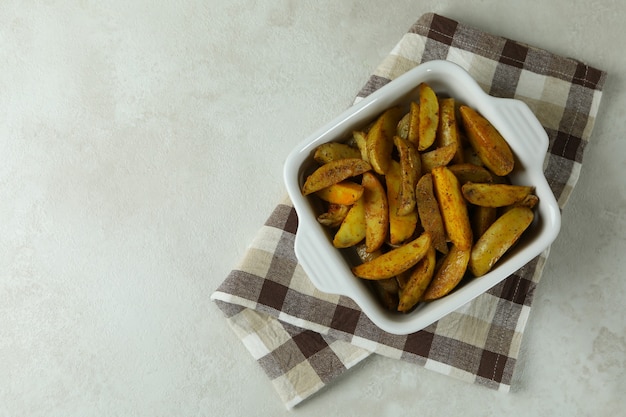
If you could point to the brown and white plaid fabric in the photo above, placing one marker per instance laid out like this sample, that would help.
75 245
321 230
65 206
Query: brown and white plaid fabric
303 338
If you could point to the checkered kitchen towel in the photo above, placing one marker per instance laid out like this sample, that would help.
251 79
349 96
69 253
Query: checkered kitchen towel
304 338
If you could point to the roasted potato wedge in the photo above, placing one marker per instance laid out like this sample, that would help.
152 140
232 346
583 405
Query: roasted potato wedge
437 157
498 238
380 139
333 151
410 169
401 227
449 274
418 281
429 213
488 143
334 172
495 195
352 228
344 192
376 212
428 116
395 261
467 172
482 218
448 132
453 207
414 124
334 215
360 140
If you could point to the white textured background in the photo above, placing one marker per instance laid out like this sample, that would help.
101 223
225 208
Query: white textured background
141 147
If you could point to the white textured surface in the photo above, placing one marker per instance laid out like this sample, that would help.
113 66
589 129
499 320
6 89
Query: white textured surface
142 146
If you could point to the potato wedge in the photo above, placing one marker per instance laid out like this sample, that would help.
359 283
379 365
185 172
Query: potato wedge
360 140
437 157
453 207
482 218
345 192
380 139
334 215
401 227
333 151
429 213
418 281
428 116
488 143
449 274
495 195
395 261
410 169
334 172
448 131
414 124
467 172
352 228
376 212
402 129
497 240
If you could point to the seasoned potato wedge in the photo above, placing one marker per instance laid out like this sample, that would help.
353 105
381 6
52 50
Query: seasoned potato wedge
467 172
380 139
403 126
334 172
448 132
488 143
345 192
333 151
429 213
495 195
401 227
360 140
395 261
437 157
449 274
334 215
482 218
376 212
414 124
418 281
453 207
498 238
428 116
352 228
410 169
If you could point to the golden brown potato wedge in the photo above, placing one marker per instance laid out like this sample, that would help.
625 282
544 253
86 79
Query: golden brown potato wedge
437 157
360 140
429 213
345 192
448 131
380 139
334 172
414 124
488 143
467 172
410 169
376 212
418 281
333 151
482 218
495 195
449 274
401 227
453 207
395 261
428 116
352 228
402 129
334 215
497 240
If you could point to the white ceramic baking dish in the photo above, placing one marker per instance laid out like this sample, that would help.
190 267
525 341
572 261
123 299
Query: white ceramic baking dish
329 268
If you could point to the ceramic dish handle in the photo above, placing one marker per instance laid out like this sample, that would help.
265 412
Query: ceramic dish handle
519 120
325 263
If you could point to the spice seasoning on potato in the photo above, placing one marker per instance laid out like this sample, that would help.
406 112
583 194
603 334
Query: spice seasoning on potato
334 172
